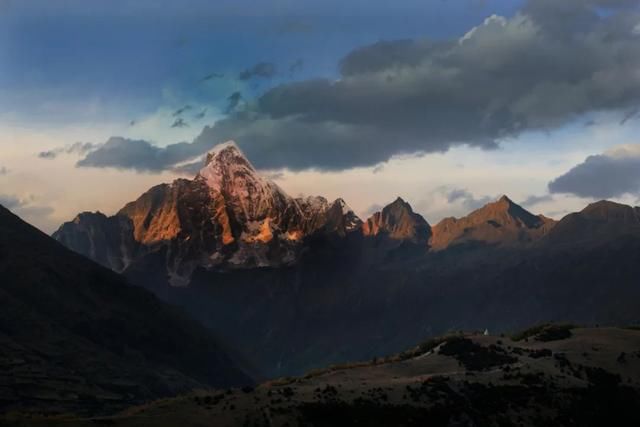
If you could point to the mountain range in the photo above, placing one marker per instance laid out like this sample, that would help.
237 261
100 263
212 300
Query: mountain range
298 283
230 217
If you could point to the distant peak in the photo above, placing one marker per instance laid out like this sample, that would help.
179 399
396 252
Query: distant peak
87 215
608 209
343 205
604 204
503 204
398 221
397 206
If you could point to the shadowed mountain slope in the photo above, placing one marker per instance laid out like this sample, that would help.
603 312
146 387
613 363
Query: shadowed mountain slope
76 336
602 221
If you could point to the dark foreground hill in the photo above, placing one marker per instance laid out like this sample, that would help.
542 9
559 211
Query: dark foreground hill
75 336
551 376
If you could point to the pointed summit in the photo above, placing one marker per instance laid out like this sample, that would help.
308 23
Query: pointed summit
502 222
225 151
400 203
230 175
506 211
505 200
340 218
398 221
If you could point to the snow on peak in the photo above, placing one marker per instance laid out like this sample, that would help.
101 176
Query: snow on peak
224 145
226 151
229 173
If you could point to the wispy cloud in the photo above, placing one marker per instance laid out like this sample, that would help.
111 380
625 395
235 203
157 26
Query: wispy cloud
179 123
200 115
263 70
181 110
79 148
213 76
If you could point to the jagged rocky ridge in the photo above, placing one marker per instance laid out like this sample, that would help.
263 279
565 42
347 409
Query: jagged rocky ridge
230 217
76 337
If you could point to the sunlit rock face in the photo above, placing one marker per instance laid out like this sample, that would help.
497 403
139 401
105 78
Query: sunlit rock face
231 217
398 221
228 216
502 223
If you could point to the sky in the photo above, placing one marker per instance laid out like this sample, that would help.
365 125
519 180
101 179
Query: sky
448 104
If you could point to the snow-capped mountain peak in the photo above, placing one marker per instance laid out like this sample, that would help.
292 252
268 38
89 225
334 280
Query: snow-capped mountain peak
226 150
229 174
229 216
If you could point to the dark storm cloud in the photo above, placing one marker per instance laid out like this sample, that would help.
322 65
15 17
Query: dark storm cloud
140 155
263 70
612 174
538 70
80 148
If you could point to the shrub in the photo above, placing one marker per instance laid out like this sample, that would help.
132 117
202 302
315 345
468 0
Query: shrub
546 332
